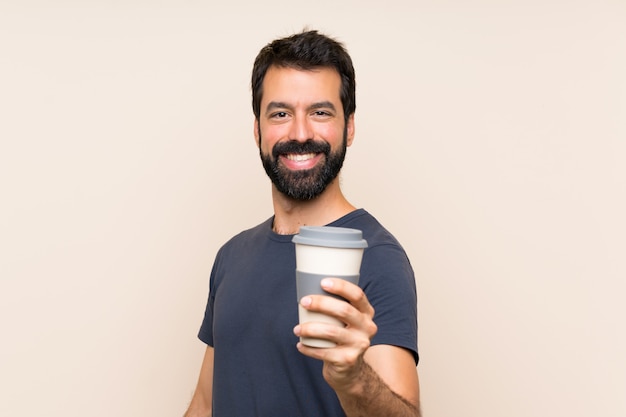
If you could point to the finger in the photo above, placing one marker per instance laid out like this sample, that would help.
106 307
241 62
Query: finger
340 309
342 355
343 311
351 292
345 342
326 331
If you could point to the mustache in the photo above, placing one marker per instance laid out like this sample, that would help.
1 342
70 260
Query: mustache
294 146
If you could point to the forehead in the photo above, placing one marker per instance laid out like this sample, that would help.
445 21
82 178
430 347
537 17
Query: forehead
294 86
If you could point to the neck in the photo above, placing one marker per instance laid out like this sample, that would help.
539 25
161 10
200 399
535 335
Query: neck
290 214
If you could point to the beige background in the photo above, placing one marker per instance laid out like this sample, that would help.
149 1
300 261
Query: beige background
491 140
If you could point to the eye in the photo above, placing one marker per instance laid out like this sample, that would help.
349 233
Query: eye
321 114
279 115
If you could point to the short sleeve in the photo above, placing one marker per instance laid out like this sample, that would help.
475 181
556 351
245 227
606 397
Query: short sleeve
388 280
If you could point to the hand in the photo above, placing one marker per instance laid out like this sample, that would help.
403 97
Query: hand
345 361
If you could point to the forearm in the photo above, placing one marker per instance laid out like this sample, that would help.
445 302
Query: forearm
196 411
200 405
201 402
369 396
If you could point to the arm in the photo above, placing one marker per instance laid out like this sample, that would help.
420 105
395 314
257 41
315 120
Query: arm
369 381
396 367
202 398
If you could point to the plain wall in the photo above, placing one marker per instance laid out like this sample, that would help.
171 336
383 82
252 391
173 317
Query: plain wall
491 139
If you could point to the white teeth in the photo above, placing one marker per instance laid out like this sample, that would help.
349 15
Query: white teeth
299 157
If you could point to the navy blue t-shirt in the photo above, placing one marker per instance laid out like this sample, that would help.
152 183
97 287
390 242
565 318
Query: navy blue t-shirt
252 310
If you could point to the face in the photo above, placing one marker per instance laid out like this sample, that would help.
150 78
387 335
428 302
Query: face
301 131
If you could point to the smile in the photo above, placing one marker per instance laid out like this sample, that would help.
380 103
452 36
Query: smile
300 157
301 161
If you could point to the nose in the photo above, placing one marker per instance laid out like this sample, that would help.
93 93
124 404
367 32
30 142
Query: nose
300 129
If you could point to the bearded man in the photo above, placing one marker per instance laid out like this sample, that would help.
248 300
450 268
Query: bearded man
303 100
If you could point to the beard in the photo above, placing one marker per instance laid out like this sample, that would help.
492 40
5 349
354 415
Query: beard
304 185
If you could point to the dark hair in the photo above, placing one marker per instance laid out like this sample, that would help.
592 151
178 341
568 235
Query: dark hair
306 51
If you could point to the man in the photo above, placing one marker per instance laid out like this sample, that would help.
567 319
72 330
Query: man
303 92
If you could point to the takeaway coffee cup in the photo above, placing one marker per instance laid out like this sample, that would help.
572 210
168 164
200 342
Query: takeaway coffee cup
325 251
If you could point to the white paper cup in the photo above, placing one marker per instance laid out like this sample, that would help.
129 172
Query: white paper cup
325 251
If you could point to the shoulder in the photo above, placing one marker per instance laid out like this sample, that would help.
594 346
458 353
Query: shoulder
384 254
373 231
246 239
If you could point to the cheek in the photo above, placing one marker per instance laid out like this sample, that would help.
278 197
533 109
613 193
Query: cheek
272 134
328 132
331 133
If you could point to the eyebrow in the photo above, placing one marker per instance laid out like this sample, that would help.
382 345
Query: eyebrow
322 105
273 105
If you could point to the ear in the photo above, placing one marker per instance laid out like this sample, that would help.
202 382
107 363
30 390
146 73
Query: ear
350 129
257 137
